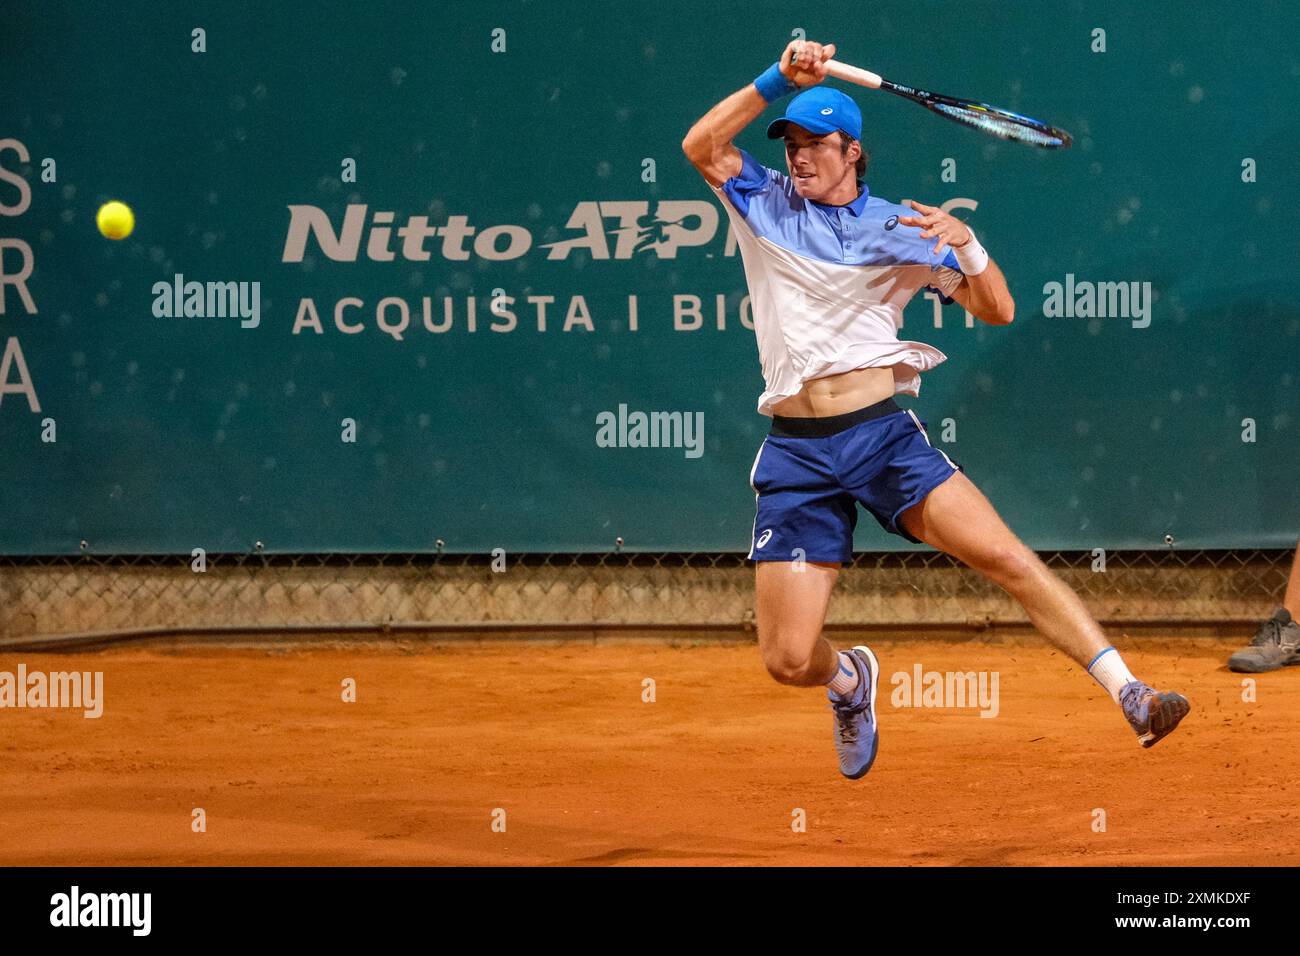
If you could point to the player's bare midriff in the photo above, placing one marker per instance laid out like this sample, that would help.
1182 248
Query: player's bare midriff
838 394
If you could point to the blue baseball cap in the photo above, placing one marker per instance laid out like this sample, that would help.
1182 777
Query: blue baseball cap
820 110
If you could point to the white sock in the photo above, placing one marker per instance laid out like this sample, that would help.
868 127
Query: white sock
1110 671
845 680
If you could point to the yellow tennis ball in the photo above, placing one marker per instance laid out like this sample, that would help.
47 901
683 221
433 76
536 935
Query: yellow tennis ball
115 220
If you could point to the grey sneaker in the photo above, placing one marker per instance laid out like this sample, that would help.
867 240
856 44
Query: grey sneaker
1276 644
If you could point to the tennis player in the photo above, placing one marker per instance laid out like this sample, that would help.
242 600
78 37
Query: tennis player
830 268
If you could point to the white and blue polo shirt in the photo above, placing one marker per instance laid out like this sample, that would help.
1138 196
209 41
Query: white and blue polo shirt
828 284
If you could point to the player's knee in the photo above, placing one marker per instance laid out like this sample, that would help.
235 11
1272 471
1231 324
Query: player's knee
1009 565
787 665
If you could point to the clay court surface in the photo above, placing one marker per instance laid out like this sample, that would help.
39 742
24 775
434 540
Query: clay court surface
588 774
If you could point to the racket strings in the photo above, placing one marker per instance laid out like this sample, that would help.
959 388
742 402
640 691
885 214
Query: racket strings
1002 126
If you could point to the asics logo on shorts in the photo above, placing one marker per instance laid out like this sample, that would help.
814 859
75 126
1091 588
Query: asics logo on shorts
763 538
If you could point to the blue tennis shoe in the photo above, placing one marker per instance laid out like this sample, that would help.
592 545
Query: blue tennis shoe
856 736
1151 714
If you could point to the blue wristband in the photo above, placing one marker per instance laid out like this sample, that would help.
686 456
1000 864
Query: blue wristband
772 84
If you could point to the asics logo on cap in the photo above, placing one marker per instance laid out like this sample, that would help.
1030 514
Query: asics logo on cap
828 111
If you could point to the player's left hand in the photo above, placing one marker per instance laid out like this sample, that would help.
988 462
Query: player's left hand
937 224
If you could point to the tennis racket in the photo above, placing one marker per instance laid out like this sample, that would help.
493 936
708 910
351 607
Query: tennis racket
978 116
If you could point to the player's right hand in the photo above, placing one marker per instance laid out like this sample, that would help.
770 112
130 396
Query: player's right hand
804 62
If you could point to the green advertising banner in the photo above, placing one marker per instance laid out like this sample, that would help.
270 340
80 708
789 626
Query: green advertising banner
403 273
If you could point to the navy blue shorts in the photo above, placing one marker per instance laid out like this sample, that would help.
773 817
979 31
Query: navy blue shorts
810 475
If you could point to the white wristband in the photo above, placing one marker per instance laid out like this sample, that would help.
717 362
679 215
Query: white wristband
971 257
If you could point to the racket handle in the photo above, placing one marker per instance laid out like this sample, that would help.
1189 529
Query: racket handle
853 74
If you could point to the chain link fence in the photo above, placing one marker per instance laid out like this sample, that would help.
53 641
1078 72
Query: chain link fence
88 599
